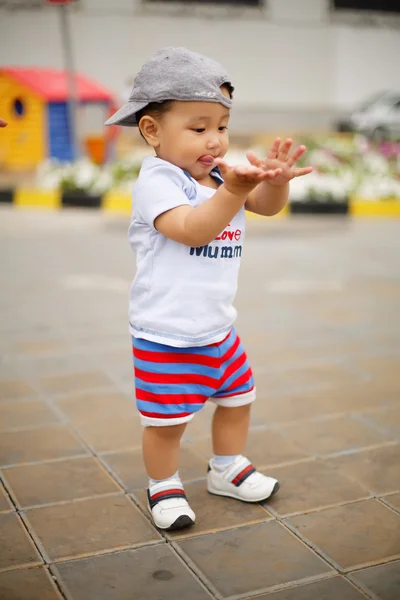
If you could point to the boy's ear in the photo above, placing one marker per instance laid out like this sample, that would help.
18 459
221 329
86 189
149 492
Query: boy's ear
150 130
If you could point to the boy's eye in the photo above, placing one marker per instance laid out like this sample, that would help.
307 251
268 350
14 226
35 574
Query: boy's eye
224 128
199 129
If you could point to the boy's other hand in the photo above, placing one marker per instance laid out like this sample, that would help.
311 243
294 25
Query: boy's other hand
280 159
241 179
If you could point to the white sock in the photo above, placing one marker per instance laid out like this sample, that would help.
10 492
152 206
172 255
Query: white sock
223 462
154 481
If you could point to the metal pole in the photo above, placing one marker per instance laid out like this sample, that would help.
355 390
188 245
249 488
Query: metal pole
72 92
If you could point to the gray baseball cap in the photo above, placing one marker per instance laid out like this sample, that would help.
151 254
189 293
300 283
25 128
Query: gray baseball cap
174 74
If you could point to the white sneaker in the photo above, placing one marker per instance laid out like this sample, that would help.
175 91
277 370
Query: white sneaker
168 505
241 481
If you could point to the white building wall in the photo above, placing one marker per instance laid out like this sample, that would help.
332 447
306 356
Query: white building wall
290 63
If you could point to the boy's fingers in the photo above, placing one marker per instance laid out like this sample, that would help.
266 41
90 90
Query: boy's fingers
274 150
296 155
284 151
247 171
253 159
272 173
241 171
222 165
302 171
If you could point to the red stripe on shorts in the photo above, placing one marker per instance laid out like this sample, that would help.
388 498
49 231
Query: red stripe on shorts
235 366
176 378
174 357
170 398
240 380
231 351
154 415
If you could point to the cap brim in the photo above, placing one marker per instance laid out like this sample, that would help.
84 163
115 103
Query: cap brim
126 115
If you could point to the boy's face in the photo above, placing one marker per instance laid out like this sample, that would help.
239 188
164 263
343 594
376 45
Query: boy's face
192 134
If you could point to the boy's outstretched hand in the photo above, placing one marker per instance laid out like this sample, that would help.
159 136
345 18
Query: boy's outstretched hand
242 179
281 162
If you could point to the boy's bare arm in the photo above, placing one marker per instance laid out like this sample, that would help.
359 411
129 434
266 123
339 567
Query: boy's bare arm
267 200
200 225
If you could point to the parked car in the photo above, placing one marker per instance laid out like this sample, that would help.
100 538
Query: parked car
377 118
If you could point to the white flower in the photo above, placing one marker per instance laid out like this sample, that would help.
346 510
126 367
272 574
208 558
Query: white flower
320 187
322 159
102 183
372 188
374 163
84 173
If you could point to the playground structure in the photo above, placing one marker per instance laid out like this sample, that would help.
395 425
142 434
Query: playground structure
34 102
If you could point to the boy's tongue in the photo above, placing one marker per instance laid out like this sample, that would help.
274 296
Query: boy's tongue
206 160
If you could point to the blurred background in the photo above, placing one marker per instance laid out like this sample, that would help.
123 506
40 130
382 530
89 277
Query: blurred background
318 306
322 71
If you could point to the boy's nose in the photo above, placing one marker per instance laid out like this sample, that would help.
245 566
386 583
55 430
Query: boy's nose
213 142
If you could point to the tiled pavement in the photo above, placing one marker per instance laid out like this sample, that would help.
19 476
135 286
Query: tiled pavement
319 313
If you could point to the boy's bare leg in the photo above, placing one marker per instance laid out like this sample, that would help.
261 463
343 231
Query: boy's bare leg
161 450
230 427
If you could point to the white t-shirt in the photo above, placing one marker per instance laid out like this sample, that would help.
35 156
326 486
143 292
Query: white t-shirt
180 296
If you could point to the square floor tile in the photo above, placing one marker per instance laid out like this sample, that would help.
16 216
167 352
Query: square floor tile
379 364
336 434
89 526
310 486
40 347
363 396
28 584
293 407
389 419
334 588
301 405
83 409
14 390
59 481
49 371
128 465
376 469
264 447
387 377
44 443
107 421
113 433
213 513
16 547
270 553
354 534
393 500
152 573
296 378
269 447
26 414
383 580
74 382
5 504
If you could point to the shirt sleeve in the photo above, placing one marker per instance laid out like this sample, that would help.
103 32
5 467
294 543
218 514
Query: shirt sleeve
160 189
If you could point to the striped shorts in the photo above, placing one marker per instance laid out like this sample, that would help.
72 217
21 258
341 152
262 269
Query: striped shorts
174 383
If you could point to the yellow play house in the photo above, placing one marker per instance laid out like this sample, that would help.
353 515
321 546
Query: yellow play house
34 103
